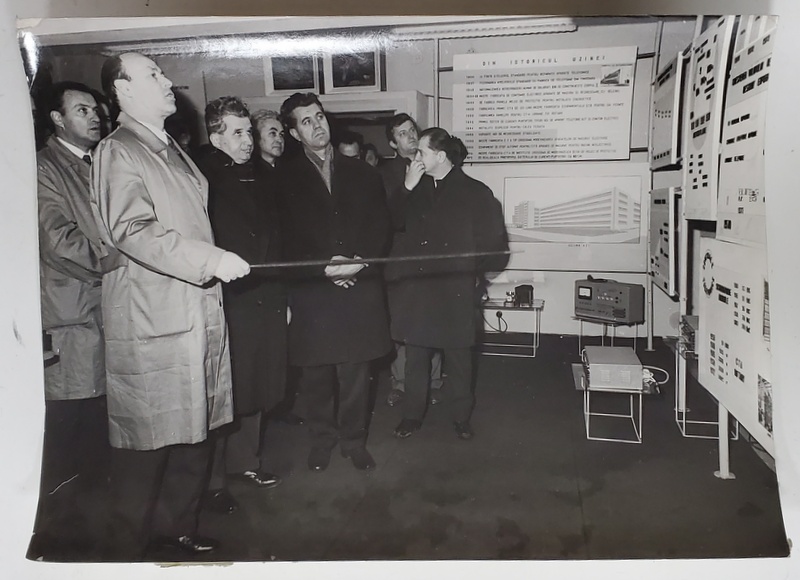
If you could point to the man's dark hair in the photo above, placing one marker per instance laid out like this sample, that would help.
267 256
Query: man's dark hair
296 101
441 140
369 147
220 108
55 97
396 121
112 70
349 137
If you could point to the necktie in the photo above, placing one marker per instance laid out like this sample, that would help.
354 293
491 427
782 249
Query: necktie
87 159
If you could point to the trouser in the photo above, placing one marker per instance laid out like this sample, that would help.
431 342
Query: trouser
75 442
458 363
319 390
237 449
398 368
155 493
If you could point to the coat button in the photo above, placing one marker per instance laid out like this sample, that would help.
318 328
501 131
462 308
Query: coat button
338 242
252 234
259 302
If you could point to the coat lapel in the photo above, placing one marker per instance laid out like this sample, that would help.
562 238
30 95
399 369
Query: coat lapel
172 155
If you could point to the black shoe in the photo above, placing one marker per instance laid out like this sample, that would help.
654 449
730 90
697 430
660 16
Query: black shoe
406 428
395 397
360 457
319 458
463 430
188 544
290 419
260 479
220 501
436 396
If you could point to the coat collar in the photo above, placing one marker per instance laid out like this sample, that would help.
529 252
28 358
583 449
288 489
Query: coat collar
66 156
143 133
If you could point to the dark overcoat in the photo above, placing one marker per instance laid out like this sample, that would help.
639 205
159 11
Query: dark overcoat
244 216
433 303
330 324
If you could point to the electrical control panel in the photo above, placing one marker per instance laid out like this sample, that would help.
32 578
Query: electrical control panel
741 204
612 367
609 301
665 129
707 75
664 234
733 345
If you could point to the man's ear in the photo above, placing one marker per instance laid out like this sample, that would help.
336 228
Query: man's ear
293 132
393 145
121 87
214 139
57 119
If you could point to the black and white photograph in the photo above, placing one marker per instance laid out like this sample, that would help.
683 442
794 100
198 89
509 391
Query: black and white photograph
352 72
381 290
290 74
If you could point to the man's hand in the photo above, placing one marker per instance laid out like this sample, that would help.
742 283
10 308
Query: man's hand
343 274
414 173
231 267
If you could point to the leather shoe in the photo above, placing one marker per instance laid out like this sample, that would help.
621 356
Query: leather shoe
436 397
360 457
463 430
220 501
319 458
395 397
291 419
406 428
188 544
260 479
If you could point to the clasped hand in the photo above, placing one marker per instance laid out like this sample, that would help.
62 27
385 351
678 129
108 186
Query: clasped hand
343 274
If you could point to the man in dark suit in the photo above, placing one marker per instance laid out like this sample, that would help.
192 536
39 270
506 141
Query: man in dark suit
333 209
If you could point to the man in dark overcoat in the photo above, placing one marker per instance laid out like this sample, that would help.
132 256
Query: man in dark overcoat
402 134
333 208
243 213
435 302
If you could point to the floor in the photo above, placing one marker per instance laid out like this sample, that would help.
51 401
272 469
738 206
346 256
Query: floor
528 486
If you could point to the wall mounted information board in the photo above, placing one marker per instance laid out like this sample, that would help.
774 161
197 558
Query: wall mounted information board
554 105
741 204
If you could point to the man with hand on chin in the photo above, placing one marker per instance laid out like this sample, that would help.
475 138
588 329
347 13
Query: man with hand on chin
167 361
333 209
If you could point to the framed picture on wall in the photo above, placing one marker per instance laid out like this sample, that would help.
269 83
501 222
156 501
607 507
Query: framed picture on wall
291 74
353 72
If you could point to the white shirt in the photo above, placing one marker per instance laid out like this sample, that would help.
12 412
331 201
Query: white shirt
160 133
76 150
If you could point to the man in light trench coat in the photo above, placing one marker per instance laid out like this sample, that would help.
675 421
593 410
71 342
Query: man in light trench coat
167 359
